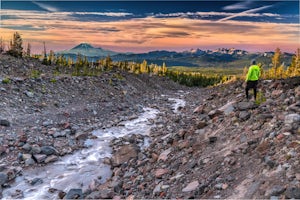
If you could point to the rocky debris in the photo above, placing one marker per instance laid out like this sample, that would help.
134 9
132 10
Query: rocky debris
43 118
219 145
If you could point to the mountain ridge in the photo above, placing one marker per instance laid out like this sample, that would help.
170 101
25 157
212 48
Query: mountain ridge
220 57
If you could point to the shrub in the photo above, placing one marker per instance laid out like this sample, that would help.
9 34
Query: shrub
260 98
35 73
53 80
6 81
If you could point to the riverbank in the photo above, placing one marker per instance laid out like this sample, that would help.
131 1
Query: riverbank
46 117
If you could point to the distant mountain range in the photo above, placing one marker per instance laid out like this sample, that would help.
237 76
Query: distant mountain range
222 57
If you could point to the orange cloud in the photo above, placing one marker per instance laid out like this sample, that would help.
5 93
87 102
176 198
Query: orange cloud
144 34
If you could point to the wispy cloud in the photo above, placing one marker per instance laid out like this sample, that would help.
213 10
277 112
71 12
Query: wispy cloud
249 13
245 13
46 6
108 14
238 6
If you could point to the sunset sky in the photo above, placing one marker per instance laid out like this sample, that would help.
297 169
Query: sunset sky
142 26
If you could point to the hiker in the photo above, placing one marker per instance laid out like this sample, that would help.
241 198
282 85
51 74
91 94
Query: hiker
252 79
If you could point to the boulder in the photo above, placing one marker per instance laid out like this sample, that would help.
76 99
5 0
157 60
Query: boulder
4 122
244 115
3 178
74 194
292 193
48 150
191 186
245 105
123 154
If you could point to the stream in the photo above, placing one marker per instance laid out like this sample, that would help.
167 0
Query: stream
82 168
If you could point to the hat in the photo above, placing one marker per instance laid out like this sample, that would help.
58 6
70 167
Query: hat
253 62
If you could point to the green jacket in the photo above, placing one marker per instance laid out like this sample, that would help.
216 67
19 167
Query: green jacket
253 73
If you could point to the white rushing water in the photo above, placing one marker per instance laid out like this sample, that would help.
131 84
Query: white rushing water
80 169
83 167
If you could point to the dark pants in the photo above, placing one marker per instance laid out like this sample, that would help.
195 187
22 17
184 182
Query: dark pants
253 85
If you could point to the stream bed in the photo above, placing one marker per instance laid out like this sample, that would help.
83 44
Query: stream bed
82 168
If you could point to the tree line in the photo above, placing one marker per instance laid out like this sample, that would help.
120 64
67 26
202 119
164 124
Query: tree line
278 70
82 67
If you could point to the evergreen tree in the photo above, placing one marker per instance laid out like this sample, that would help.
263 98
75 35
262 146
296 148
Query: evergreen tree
294 68
45 59
144 67
16 48
108 62
276 60
51 57
1 45
28 51
164 69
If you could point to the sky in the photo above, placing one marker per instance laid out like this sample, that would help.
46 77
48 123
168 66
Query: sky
142 26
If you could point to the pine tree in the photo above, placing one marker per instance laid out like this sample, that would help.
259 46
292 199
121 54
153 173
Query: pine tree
276 60
28 51
1 45
51 57
108 62
45 59
294 68
144 67
164 69
16 48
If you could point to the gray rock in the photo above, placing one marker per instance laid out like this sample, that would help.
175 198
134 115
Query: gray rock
4 122
292 193
94 195
191 186
215 113
252 189
227 108
270 162
274 198
29 162
244 115
35 149
123 154
3 178
48 150
81 135
27 147
26 156
39 157
51 158
245 105
116 185
36 181
29 94
292 118
277 190
102 194
74 194
61 133
47 123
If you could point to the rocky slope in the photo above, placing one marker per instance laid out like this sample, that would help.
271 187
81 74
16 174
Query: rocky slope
224 148
217 146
